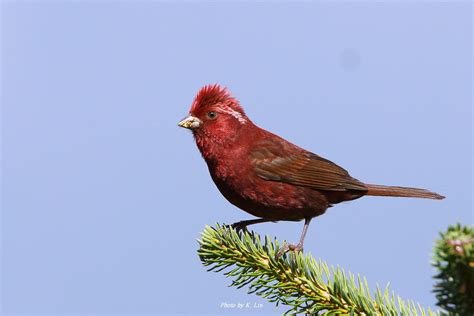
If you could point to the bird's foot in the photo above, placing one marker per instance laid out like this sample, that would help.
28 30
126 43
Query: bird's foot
240 226
289 247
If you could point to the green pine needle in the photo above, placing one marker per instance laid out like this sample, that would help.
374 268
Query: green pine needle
305 285
453 257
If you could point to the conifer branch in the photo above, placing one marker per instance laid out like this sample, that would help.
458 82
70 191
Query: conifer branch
453 257
296 280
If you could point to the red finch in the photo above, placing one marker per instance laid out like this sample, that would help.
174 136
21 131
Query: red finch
267 176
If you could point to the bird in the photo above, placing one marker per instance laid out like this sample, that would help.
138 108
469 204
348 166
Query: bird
266 175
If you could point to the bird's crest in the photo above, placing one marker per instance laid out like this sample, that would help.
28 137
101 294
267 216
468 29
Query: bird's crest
215 94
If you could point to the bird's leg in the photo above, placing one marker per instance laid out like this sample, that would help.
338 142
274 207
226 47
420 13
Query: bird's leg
242 225
299 247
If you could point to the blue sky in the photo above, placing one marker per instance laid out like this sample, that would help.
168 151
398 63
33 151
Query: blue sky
103 196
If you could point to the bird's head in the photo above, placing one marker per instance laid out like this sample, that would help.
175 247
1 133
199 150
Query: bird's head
215 115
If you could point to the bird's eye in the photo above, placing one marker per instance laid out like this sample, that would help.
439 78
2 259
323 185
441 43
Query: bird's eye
212 115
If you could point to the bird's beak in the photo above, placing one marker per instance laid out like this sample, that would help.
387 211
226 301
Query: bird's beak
190 122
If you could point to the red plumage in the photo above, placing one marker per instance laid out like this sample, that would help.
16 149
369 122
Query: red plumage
265 175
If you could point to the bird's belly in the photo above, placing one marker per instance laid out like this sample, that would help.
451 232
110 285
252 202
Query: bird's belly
272 200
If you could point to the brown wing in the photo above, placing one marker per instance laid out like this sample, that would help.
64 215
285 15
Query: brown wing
303 169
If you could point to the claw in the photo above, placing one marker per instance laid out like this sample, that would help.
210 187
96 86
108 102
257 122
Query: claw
239 227
288 247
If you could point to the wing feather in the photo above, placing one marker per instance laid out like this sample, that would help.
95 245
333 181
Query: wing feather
303 169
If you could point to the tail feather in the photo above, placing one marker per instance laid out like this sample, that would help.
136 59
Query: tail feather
383 190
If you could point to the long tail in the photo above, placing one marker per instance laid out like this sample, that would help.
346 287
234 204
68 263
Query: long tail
384 190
